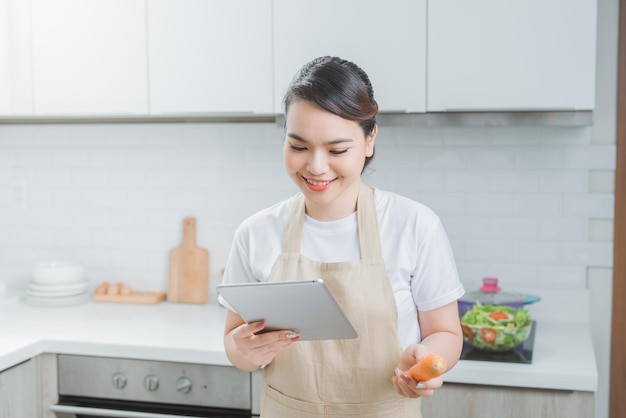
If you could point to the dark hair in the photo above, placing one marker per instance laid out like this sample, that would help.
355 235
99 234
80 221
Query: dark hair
339 87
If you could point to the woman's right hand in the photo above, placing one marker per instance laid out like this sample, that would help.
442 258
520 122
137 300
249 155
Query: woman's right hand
257 350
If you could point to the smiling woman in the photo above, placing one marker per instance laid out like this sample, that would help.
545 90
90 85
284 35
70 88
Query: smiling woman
386 259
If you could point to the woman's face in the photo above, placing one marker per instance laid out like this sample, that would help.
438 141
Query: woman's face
324 155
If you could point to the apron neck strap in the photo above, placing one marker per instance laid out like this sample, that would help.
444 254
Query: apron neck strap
292 239
369 236
367 219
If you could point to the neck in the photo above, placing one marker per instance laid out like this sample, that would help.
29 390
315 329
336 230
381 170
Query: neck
341 207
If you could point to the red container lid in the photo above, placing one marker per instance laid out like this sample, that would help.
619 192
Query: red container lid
491 294
490 285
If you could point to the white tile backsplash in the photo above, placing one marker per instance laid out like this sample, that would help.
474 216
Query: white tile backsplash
519 228
515 181
539 205
492 250
409 136
565 136
601 230
491 158
593 156
490 204
525 204
410 179
587 254
561 276
542 252
456 135
567 181
563 229
540 157
589 205
602 181
434 157
466 181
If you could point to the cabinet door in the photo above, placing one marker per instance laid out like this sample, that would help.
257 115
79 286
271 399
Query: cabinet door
16 95
18 391
210 56
475 401
89 57
511 55
387 39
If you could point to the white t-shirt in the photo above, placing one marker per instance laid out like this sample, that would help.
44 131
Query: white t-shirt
415 247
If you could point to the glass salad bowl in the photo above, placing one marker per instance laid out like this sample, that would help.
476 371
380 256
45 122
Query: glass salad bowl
495 327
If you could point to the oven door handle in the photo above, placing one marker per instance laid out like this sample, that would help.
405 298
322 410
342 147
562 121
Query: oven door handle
114 413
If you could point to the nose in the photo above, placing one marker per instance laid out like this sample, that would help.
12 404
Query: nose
317 163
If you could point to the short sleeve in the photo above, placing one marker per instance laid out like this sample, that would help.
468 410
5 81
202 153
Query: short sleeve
435 281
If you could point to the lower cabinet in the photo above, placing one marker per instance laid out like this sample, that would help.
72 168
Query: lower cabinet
18 391
475 401
29 388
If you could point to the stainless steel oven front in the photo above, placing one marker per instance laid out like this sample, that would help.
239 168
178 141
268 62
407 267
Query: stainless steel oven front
93 387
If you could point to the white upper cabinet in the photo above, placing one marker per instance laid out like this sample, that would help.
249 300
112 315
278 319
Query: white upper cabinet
89 57
107 58
387 39
511 55
16 92
210 56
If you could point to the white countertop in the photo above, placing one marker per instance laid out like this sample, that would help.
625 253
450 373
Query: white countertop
563 356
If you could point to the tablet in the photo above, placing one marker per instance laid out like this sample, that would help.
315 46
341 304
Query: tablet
305 306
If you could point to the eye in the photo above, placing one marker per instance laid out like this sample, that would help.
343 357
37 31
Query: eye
297 148
338 151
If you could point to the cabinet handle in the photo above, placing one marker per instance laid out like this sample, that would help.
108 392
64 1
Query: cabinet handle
509 109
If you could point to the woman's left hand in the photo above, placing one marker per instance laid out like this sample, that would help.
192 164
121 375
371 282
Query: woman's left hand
405 385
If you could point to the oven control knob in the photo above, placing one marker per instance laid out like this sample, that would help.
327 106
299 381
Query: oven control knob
183 385
119 381
151 383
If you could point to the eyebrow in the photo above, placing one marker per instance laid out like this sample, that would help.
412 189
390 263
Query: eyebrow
334 141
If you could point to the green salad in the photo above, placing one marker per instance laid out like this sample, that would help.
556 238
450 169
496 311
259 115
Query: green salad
495 328
488 315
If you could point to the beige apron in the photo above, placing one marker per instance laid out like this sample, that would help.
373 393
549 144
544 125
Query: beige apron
340 377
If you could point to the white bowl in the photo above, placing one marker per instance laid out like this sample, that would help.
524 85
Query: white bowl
57 272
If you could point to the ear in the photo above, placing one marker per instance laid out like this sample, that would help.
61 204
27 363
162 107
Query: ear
369 142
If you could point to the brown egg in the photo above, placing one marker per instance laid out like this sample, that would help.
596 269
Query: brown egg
125 289
102 288
113 289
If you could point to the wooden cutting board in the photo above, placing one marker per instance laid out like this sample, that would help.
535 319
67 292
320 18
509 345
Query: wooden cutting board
135 297
188 269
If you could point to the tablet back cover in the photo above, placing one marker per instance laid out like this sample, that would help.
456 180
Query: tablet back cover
307 307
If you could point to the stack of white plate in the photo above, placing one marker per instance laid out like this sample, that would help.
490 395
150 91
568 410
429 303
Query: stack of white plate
57 283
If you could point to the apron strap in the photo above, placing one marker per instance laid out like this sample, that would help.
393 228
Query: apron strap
292 238
367 218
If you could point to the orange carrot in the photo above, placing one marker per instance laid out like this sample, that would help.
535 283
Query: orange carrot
431 366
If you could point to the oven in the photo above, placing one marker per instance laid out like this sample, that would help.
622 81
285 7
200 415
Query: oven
94 387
